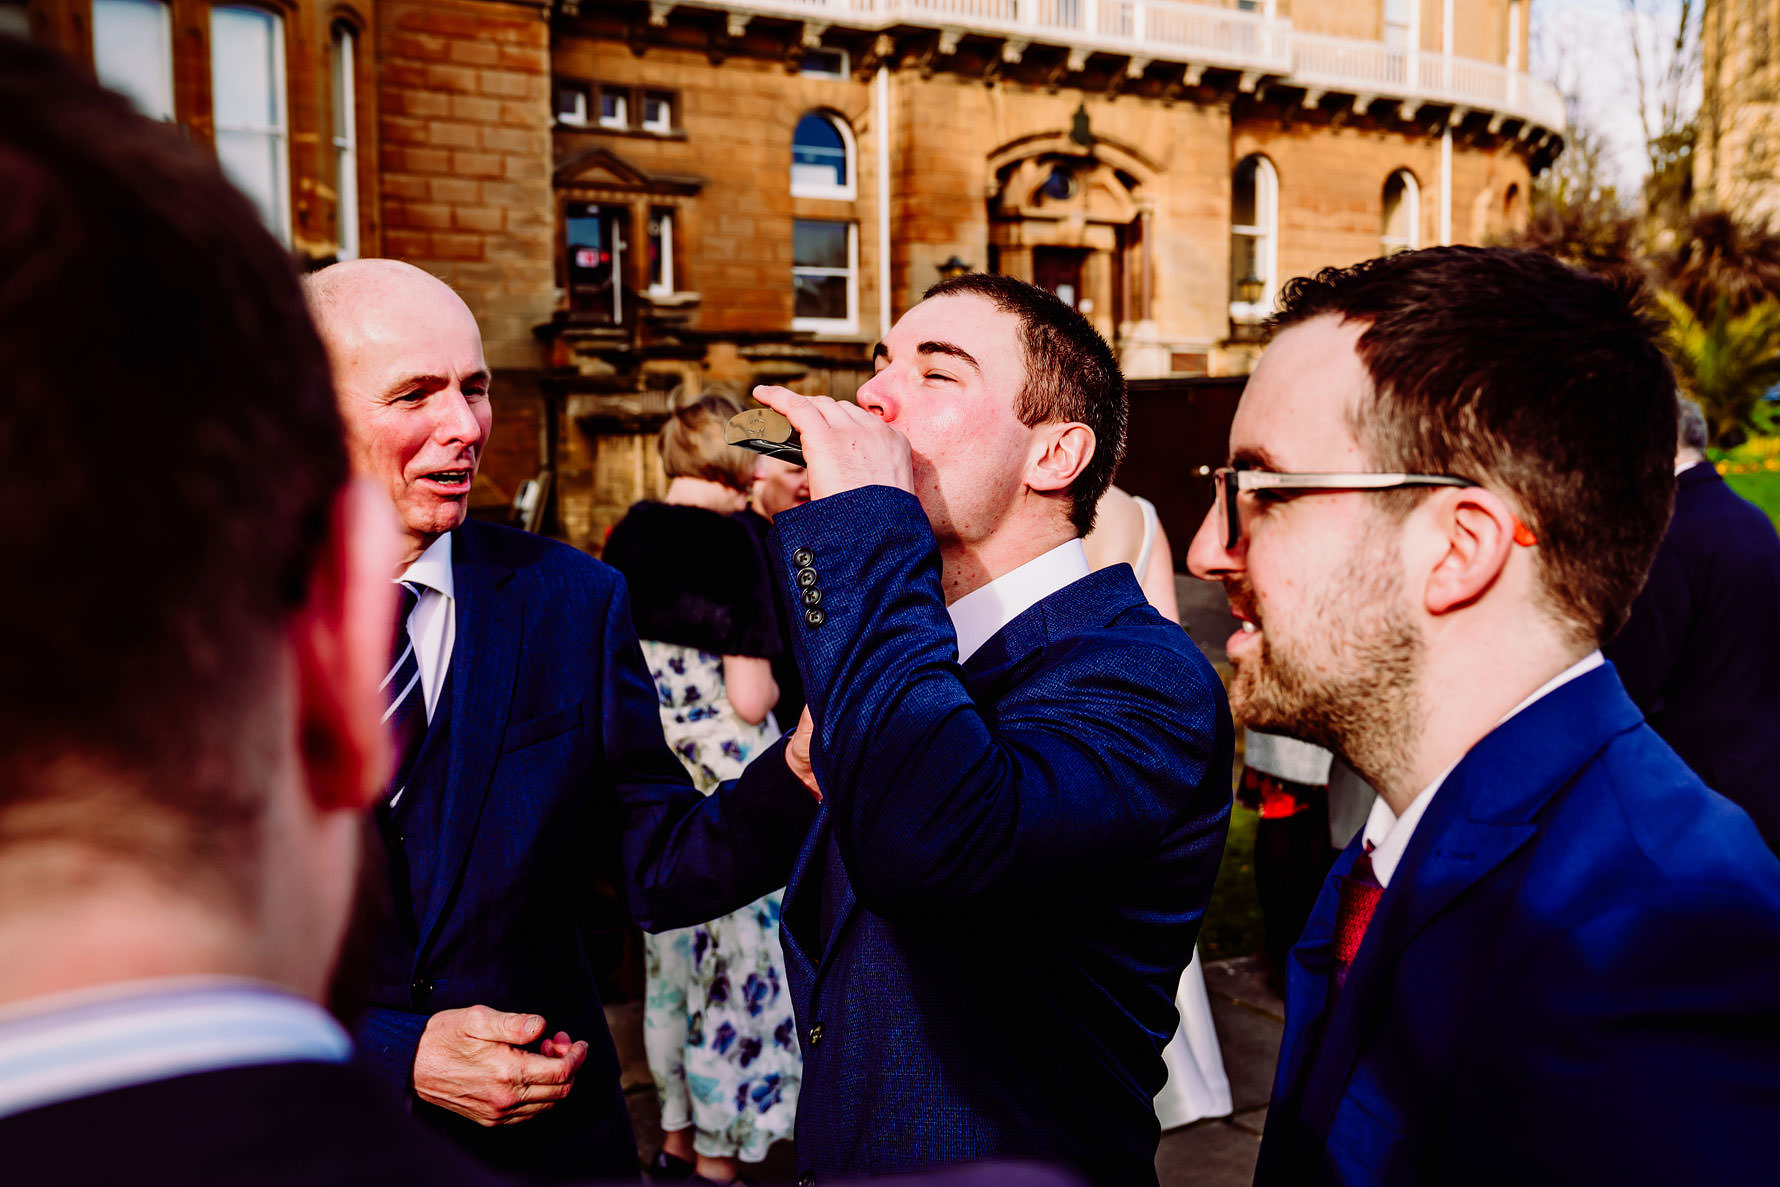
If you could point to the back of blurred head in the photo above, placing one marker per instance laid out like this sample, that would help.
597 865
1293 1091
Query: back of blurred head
184 733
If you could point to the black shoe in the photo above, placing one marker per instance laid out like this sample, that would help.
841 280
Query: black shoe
668 1169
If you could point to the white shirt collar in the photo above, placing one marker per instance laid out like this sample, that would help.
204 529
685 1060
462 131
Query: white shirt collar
1683 467
985 610
1387 834
432 568
78 1044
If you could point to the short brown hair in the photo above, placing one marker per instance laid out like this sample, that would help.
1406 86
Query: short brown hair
692 444
169 456
1536 379
1071 375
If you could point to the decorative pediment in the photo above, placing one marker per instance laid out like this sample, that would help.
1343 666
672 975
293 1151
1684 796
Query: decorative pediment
601 168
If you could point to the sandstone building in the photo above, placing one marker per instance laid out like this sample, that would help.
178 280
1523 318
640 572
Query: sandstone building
634 194
1737 144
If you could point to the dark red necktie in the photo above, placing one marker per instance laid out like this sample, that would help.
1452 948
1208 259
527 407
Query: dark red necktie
1359 894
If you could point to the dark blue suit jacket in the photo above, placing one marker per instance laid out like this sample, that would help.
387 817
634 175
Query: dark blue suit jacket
1574 977
556 774
1701 651
986 929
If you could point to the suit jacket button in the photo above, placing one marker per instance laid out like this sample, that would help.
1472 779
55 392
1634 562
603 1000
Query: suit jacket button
814 617
806 578
815 1034
812 596
803 558
422 988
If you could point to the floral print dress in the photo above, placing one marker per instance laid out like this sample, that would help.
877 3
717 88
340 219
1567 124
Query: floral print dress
717 1023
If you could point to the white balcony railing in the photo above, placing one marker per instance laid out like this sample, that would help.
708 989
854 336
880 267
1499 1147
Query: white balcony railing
1201 35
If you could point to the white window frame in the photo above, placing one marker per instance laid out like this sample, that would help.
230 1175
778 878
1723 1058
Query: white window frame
578 117
848 191
621 120
1411 205
664 125
279 130
343 62
831 325
661 283
1265 230
822 53
158 106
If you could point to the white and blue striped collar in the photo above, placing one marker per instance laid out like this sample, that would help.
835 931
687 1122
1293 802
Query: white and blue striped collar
78 1044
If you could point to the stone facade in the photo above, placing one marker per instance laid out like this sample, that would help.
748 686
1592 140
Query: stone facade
1737 144
617 188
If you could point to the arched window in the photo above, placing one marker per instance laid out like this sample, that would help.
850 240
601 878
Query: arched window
1401 229
133 53
1511 212
1254 238
822 158
343 65
247 95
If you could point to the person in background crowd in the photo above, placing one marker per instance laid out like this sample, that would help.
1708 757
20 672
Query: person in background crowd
530 758
1552 955
199 608
1700 654
1287 782
718 1026
1126 531
1025 769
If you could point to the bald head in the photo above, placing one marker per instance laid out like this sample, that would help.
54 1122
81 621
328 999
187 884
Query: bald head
412 384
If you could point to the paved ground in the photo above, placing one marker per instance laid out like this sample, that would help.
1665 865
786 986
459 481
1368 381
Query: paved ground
1217 1152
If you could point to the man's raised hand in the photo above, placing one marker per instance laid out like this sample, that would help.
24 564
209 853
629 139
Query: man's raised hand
470 1061
845 446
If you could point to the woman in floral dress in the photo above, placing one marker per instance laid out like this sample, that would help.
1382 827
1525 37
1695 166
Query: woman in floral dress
718 1026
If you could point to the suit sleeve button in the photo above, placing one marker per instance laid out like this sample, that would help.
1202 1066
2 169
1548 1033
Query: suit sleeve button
806 1180
812 596
814 616
806 578
803 558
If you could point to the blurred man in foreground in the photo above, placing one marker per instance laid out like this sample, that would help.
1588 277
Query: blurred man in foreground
1552 955
197 614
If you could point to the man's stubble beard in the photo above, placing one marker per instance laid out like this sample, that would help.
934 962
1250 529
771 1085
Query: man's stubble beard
1361 699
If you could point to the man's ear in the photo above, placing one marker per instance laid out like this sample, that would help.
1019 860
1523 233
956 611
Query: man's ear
1471 538
1060 452
341 643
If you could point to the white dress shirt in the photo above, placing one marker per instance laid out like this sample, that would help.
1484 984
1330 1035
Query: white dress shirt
1387 834
432 625
980 613
72 1045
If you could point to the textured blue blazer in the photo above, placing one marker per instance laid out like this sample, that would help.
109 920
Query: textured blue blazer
1574 977
986 929
556 775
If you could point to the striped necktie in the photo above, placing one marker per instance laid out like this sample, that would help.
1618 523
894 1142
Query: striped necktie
406 714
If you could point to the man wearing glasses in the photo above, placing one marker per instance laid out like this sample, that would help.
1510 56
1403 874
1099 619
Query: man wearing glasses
1447 479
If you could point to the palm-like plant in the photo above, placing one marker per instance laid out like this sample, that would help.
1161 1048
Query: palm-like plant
1728 361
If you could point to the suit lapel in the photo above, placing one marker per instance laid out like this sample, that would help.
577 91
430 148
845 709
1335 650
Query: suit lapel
1488 808
490 624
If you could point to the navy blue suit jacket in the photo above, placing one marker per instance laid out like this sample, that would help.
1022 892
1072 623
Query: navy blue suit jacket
557 774
1574 977
1701 651
986 929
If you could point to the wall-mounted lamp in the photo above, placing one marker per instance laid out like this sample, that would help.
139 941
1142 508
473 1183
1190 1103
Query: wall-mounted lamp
953 268
1250 288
